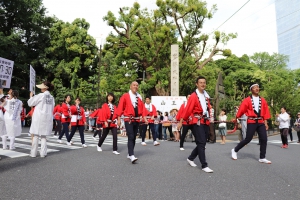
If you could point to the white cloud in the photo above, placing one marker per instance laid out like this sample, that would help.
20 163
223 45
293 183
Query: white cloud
255 23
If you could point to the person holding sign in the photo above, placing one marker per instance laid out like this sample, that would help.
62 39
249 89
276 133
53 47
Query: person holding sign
12 118
65 118
42 117
77 121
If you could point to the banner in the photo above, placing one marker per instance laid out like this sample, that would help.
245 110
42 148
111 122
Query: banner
167 103
6 70
32 80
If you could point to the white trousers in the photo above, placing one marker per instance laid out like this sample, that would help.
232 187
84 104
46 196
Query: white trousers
11 142
35 145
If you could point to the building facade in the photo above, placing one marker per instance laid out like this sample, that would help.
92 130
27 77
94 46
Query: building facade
288 30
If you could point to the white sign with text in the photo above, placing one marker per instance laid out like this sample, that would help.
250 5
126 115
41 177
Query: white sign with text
6 70
167 103
32 80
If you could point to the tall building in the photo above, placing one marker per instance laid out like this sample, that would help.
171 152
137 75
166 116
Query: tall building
288 30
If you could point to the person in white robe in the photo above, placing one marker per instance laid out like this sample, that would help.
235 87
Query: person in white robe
42 118
2 122
12 119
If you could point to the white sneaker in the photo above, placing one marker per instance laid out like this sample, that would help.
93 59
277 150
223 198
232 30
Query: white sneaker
264 161
133 159
99 148
55 136
116 153
144 143
84 145
233 154
208 170
95 138
155 143
129 157
69 143
12 148
181 149
191 163
59 141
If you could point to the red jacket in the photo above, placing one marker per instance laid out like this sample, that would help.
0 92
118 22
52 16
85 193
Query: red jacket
31 112
80 118
193 107
57 112
149 114
97 114
126 108
105 115
180 114
246 108
65 109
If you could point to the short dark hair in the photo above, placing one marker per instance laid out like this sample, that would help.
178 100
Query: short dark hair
224 110
49 85
200 77
283 107
66 96
78 98
148 97
15 94
110 94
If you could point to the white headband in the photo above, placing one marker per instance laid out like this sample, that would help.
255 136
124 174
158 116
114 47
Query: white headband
253 85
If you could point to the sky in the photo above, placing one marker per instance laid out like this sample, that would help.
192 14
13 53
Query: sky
255 23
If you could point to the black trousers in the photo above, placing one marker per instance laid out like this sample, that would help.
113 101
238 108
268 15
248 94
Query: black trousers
114 134
160 131
298 134
200 133
144 130
98 132
184 131
212 132
131 130
65 130
291 133
80 129
283 134
260 128
170 131
58 127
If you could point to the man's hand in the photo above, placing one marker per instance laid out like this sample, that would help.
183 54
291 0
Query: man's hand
106 124
267 127
179 125
31 94
119 122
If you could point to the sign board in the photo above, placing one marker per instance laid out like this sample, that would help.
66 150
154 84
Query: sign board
6 70
167 103
174 70
32 80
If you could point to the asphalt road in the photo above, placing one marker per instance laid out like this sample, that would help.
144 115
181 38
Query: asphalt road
160 173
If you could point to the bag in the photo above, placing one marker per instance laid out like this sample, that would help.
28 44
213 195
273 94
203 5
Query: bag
166 124
222 125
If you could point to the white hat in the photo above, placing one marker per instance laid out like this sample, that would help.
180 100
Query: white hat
255 84
42 86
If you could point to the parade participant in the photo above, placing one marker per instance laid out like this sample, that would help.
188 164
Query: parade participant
108 118
257 112
23 115
12 118
78 121
222 126
198 106
65 118
42 118
57 116
186 125
96 116
131 105
150 114
284 123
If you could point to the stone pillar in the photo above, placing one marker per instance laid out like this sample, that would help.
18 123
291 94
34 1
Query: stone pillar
174 70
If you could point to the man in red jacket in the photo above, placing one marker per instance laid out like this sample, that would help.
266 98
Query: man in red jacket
131 107
257 111
198 107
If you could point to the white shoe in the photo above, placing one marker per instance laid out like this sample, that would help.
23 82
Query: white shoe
233 154
59 141
69 143
55 136
155 143
208 170
264 161
84 145
12 148
133 159
99 148
191 163
116 153
144 143
43 156
181 149
95 138
128 156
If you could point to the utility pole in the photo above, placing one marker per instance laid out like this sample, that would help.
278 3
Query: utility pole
99 67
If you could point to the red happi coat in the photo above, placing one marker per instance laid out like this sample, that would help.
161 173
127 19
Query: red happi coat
97 114
57 112
149 114
180 114
247 109
66 117
74 113
106 114
193 107
126 108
